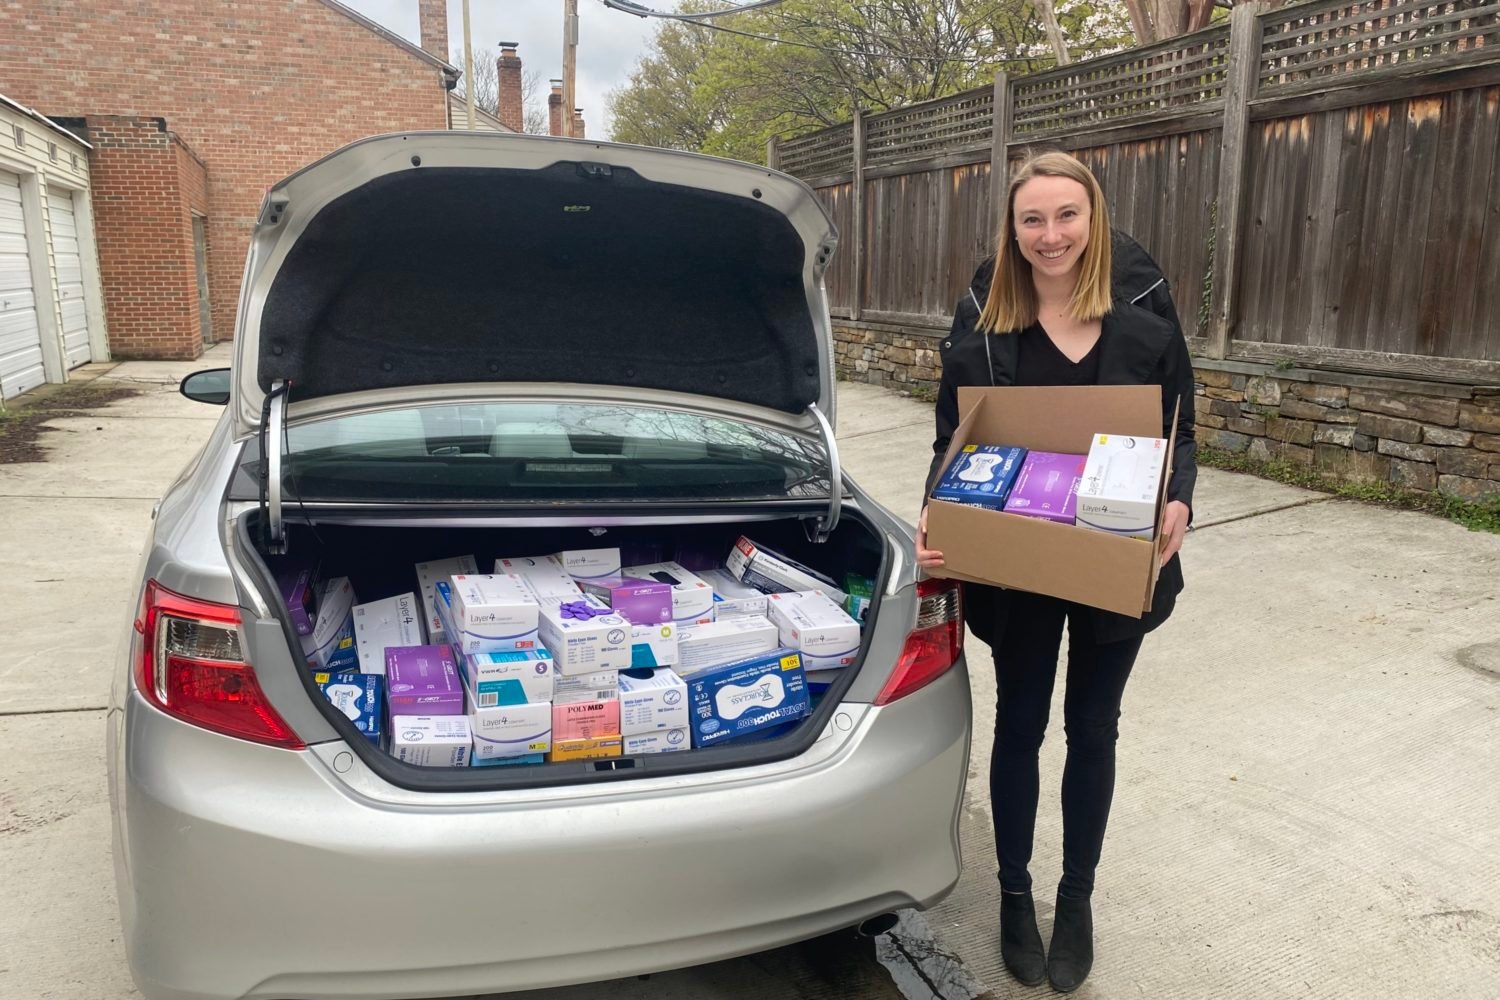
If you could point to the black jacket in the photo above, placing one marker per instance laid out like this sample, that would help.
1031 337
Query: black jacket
1142 344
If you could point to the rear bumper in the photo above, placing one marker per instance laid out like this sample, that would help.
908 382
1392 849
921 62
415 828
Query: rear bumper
254 872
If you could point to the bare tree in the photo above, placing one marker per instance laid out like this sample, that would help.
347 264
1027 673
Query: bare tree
533 111
486 89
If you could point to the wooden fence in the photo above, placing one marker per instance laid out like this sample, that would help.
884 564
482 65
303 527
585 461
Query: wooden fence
1320 183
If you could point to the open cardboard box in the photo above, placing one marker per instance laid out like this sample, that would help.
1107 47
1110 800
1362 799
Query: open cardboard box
1028 553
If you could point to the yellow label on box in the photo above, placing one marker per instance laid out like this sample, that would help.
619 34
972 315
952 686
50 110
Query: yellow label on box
600 746
791 661
971 447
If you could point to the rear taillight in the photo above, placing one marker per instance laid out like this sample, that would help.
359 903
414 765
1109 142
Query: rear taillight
190 665
934 643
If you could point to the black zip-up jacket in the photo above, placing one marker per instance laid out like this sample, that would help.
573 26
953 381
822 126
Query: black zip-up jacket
1142 344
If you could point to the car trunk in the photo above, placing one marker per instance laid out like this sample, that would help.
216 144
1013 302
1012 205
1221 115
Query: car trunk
377 552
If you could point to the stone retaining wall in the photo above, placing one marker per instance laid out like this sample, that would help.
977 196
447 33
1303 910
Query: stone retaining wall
1433 437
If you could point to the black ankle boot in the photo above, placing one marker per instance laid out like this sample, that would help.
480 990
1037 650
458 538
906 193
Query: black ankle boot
1020 941
1072 953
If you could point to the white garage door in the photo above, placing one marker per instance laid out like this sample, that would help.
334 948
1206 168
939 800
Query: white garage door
69 263
20 337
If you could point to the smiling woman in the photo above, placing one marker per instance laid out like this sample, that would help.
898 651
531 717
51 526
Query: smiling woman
1055 313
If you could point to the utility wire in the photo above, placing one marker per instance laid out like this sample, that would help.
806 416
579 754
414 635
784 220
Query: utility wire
695 21
641 11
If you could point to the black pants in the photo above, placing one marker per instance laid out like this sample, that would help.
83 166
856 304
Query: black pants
1025 668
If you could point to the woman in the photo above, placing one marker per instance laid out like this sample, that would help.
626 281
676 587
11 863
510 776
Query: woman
1051 317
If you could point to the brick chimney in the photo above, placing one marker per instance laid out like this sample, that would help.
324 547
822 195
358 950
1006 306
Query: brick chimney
432 17
578 123
554 109
508 83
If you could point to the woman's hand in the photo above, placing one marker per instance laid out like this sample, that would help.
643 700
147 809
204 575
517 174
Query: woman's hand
1173 528
926 558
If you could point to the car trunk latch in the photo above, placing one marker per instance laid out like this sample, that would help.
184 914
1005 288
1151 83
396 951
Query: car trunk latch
820 528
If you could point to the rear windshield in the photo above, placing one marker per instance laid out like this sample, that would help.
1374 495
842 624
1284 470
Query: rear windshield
546 451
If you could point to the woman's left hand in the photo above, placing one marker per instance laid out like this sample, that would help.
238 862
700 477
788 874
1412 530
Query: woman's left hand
1173 528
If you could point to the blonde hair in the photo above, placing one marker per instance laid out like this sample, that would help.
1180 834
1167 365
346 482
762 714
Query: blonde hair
1011 304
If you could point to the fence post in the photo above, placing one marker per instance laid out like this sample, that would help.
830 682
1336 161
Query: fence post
999 157
857 206
773 153
1241 80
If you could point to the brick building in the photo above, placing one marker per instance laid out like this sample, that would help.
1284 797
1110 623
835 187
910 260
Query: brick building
192 109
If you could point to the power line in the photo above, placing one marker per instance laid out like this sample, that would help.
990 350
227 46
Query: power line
642 11
696 21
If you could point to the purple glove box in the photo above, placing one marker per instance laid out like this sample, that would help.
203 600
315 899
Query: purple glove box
640 602
423 680
1047 486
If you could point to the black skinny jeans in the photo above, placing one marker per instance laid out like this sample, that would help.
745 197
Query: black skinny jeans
1025 668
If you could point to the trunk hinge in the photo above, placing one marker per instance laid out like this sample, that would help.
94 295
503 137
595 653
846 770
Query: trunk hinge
273 440
819 529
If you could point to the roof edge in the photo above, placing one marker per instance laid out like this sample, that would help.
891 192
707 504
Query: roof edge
390 35
37 116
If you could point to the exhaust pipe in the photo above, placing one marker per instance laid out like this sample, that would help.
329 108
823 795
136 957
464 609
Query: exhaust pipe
876 926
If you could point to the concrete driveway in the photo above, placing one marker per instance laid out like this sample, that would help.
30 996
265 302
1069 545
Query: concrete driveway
1306 804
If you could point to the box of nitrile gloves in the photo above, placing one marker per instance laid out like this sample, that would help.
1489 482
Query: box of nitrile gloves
640 602
378 625
358 696
601 685
330 647
733 599
298 590
511 730
423 680
509 678
982 474
768 570
703 646
659 741
488 613
740 698
543 575
652 700
584 636
431 740
820 630
428 574
591 564
692 599
653 645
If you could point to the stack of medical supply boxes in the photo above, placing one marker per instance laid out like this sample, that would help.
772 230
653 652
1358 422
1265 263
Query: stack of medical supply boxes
572 656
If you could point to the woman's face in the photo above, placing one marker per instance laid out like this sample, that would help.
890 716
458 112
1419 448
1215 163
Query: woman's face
1051 216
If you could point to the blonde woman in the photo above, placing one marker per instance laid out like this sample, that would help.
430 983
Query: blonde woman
1064 302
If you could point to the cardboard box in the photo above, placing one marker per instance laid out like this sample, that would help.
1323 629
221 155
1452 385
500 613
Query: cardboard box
394 621
330 647
544 576
423 680
431 740
358 696
586 720
770 571
488 614
653 645
640 602
604 746
652 700
1046 486
733 599
702 646
981 474
1027 553
299 591
1121 481
515 677
692 599
584 636
591 564
525 758
661 741
428 574
740 698
511 730
820 630
602 685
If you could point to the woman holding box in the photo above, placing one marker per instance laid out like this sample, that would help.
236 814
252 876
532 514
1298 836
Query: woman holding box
1045 311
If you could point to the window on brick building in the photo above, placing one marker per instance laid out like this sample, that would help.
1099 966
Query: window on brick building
20 137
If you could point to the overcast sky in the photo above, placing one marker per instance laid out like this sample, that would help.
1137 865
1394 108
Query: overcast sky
609 42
